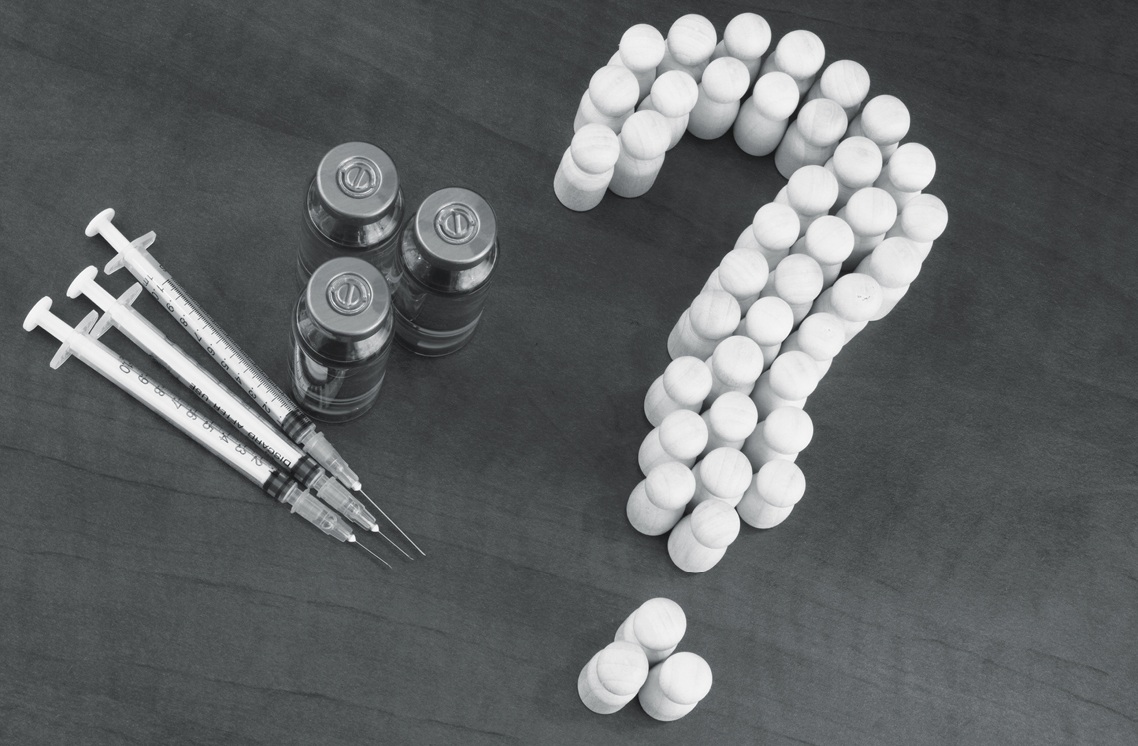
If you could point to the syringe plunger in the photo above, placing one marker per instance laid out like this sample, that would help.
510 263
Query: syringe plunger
41 316
102 224
117 370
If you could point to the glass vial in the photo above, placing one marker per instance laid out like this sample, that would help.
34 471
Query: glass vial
341 340
442 272
353 207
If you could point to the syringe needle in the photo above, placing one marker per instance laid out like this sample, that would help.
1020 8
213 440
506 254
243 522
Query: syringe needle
392 543
393 523
373 554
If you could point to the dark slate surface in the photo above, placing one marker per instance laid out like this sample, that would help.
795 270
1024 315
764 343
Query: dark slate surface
963 568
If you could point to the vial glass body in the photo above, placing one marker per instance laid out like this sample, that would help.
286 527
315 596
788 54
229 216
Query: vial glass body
353 207
437 298
337 376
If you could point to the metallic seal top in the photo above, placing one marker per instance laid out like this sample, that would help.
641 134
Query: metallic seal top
357 182
349 294
348 298
455 228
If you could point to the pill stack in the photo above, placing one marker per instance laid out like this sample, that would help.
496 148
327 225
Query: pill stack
642 662
836 248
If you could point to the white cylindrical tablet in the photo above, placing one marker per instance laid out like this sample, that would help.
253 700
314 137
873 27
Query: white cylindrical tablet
641 50
657 626
845 82
894 264
723 474
675 687
587 114
829 241
788 430
690 43
743 273
683 435
700 539
680 437
673 95
799 54
870 212
691 39
643 142
885 120
768 323
811 191
791 379
610 98
794 375
714 315
746 38
772 494
856 164
821 123
775 228
763 118
798 280
812 138
614 90
587 167
735 366
782 435
922 221
724 83
910 170
657 503
685 384
730 420
595 148
821 336
613 677
854 299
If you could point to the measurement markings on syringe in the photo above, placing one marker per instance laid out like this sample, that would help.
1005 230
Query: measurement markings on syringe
215 341
190 412
241 426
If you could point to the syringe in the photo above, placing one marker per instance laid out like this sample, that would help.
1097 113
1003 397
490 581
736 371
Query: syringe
303 468
158 282
75 341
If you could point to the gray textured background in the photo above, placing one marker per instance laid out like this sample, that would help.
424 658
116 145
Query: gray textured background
963 568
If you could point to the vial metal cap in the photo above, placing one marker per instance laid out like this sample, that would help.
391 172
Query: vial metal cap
357 183
348 298
455 228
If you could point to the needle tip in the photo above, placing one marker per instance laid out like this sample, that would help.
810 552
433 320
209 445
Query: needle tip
393 523
373 554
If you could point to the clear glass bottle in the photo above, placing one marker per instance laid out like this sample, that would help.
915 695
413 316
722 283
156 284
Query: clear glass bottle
353 207
442 272
341 340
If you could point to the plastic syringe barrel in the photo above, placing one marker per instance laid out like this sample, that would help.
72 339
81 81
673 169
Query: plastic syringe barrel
247 420
123 374
117 370
158 282
147 336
